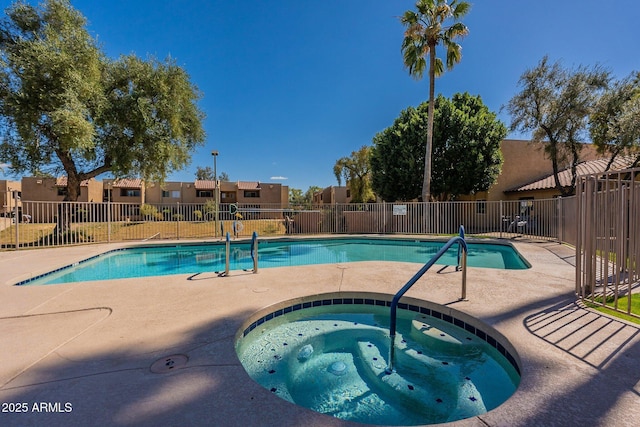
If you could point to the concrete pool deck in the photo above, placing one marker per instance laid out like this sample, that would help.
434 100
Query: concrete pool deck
81 353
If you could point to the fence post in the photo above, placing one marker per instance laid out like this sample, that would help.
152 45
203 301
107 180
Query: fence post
108 216
14 194
560 212
384 217
501 218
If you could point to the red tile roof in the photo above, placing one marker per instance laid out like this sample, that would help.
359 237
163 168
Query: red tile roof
246 185
62 182
204 184
584 168
128 183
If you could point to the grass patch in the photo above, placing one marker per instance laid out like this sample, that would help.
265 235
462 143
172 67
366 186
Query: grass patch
622 303
35 235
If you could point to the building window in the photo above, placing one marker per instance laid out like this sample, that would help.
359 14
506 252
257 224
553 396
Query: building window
204 193
174 194
62 191
251 194
129 192
481 206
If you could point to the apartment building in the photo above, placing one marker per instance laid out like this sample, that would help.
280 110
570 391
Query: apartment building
332 195
526 162
131 193
55 189
8 197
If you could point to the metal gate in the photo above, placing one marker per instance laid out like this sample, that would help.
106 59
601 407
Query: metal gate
608 240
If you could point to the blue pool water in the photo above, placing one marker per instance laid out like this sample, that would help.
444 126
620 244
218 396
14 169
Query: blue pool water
210 257
332 359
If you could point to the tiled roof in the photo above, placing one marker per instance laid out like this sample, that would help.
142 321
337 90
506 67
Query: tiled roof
248 185
584 168
61 181
128 183
204 184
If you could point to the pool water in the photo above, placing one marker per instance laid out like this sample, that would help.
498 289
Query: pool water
334 363
210 257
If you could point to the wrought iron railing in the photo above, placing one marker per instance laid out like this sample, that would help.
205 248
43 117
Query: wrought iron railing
43 224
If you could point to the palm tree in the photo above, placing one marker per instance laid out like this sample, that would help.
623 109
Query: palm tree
425 29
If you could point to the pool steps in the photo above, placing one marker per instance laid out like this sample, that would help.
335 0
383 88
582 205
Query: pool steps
425 330
463 401
318 352
462 260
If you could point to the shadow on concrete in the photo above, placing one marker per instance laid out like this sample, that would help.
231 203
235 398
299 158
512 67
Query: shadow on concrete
609 351
118 387
606 353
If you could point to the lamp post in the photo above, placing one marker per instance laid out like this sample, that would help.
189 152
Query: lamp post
215 153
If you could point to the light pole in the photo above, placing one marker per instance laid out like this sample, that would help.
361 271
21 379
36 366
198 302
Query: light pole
215 153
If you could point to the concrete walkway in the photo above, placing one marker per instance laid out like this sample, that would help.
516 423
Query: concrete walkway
81 353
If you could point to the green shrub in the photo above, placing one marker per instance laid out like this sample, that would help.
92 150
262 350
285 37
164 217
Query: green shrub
149 212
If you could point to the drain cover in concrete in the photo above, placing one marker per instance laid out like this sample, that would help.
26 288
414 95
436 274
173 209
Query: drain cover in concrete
169 363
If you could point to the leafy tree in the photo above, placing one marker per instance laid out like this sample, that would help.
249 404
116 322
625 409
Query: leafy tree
356 171
426 28
209 209
150 212
299 199
615 121
308 195
555 104
207 174
65 107
466 157
397 156
296 197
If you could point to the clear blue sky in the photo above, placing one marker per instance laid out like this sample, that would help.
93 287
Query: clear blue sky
290 86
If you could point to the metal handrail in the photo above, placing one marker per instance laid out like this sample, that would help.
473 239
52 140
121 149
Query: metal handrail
254 251
396 298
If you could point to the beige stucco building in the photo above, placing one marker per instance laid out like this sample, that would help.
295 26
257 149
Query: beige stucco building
332 195
524 163
55 189
136 191
8 198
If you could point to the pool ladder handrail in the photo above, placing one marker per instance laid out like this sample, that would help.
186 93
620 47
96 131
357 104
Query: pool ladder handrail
462 260
253 251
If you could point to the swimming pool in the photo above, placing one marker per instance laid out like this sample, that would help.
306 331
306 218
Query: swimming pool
329 352
162 260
